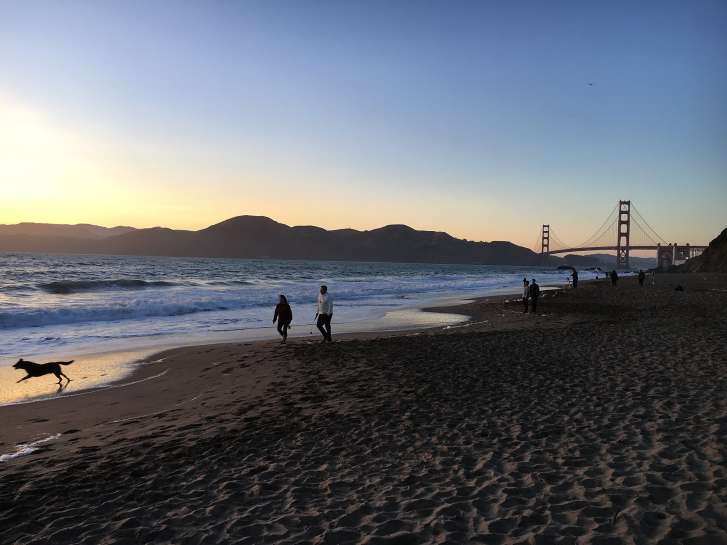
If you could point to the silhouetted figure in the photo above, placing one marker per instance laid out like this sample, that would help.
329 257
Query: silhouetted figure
642 277
575 278
534 295
526 294
614 278
283 315
324 313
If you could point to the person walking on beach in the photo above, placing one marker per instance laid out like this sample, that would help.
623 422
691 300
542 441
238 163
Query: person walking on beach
526 294
534 294
324 313
642 277
283 315
614 278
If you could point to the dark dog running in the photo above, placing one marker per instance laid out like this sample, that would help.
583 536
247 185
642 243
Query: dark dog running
40 369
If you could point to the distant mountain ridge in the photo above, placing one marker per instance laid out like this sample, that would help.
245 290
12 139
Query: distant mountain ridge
608 261
79 230
259 237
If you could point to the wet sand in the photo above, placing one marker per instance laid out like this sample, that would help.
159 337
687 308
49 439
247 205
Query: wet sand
100 369
88 371
601 420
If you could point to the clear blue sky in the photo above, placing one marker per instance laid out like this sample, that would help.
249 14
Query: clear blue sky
472 117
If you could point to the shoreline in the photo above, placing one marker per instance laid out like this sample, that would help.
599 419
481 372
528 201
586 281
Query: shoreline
46 327
153 366
481 312
125 366
112 368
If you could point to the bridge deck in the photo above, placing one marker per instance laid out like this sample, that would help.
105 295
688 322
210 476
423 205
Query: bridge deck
614 248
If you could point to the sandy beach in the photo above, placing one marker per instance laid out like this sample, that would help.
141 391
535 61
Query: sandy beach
94 370
601 420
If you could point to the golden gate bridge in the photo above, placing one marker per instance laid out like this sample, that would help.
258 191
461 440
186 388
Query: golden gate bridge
625 229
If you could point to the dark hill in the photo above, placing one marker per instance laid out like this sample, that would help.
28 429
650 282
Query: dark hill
58 230
260 238
714 258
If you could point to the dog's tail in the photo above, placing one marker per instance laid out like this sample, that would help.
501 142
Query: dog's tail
66 362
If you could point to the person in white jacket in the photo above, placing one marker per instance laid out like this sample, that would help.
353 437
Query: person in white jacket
324 313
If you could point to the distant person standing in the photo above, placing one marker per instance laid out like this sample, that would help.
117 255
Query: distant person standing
526 294
614 278
534 294
283 315
642 277
324 313
575 278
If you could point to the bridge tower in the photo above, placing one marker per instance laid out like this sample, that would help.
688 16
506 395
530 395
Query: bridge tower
545 240
624 233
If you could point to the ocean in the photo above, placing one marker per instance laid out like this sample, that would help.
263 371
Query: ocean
61 305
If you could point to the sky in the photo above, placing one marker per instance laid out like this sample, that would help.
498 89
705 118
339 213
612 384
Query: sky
482 119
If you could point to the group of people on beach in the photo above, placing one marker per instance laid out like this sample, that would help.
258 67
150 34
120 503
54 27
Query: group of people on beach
613 276
641 277
531 293
324 309
324 313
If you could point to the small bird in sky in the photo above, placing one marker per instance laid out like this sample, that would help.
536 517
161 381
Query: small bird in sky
590 84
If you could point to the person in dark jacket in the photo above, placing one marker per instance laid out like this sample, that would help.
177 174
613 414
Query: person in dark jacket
614 278
534 295
526 294
283 315
642 277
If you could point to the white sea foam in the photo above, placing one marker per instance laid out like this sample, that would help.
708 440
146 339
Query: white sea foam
24 449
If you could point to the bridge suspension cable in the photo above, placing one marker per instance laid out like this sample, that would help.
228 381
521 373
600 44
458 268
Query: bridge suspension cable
559 244
637 228
616 228
648 236
656 237
605 226
536 247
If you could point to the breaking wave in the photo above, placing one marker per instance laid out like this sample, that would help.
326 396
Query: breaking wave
102 313
63 287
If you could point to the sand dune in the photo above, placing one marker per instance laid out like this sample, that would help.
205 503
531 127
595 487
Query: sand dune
600 421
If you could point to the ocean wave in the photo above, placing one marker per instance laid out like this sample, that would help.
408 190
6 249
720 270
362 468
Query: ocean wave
230 283
64 287
16 288
139 310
